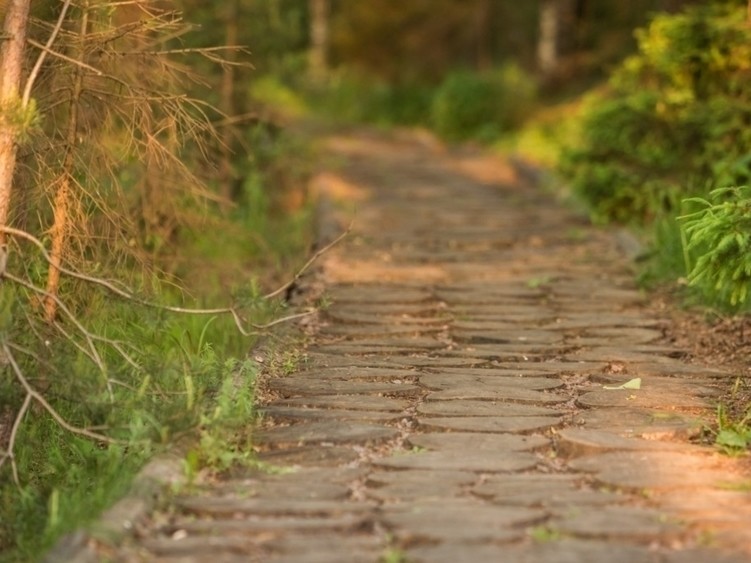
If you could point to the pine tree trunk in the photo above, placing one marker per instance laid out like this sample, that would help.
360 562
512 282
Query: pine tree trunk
226 172
319 38
547 45
483 22
11 65
63 197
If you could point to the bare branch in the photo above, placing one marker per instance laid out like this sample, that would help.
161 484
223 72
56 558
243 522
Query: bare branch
129 295
308 264
39 398
9 454
43 55
65 57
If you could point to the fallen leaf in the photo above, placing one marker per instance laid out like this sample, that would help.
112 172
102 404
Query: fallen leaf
631 384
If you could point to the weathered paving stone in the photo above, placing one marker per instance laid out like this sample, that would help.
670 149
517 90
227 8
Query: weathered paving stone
626 355
218 507
202 548
648 397
576 442
491 423
297 414
655 470
652 424
498 393
617 522
559 491
448 478
668 384
364 374
442 362
630 335
338 432
376 294
309 456
247 526
590 321
391 343
458 520
477 441
380 351
355 332
347 402
458 460
497 353
419 484
482 408
308 385
439 381
556 551
703 555
384 310
345 547
531 340
349 316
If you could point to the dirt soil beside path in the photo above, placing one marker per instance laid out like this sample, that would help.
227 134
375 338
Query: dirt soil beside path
485 383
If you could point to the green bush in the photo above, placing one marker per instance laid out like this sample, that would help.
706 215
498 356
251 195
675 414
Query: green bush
482 105
351 97
719 233
674 120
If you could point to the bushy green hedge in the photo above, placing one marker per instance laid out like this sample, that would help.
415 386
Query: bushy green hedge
482 105
674 121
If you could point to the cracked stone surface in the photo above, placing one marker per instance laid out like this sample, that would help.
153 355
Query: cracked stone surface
452 405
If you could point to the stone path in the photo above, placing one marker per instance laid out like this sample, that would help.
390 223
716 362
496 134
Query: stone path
457 399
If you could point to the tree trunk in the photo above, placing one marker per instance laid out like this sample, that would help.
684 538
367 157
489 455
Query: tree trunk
547 45
226 171
483 21
63 197
319 38
11 65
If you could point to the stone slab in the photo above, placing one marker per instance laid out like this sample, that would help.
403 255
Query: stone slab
482 408
363 293
287 414
534 370
346 402
332 432
458 520
460 460
474 441
561 551
617 523
549 491
309 456
353 315
648 397
387 342
309 385
226 506
576 442
372 331
655 470
498 393
648 423
440 381
518 424
357 373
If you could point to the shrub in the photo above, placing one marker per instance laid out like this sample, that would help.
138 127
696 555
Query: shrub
675 118
720 234
482 105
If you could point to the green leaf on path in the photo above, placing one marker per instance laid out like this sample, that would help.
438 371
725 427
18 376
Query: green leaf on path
632 384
